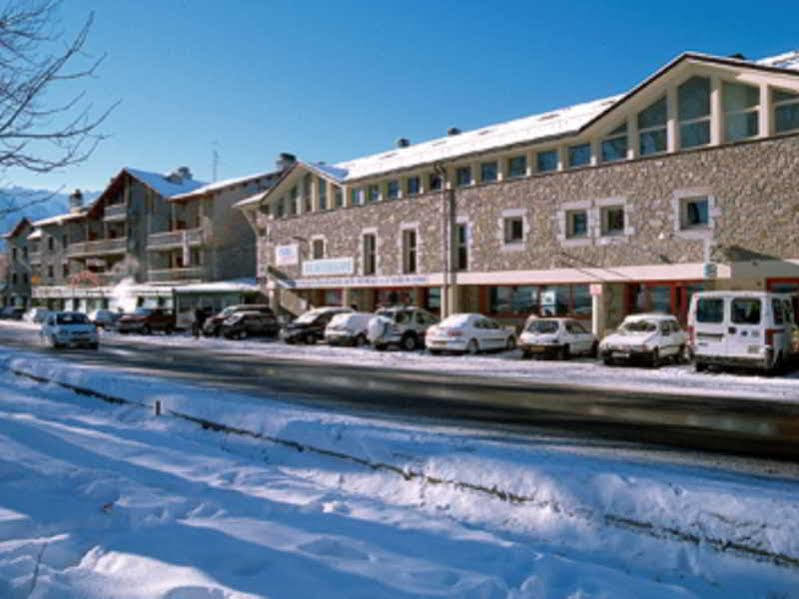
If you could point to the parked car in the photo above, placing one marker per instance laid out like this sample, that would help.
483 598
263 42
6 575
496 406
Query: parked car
469 333
754 329
403 326
213 324
561 337
648 338
310 327
104 319
69 329
241 325
36 315
147 320
12 313
348 328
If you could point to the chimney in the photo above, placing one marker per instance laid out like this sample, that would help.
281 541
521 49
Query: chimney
76 201
453 131
738 56
184 172
285 160
403 142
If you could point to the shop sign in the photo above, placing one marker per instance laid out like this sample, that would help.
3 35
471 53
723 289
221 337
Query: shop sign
389 281
287 255
327 267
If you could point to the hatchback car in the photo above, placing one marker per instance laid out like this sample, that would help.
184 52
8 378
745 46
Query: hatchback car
104 319
241 325
648 338
560 337
69 329
469 333
310 326
213 324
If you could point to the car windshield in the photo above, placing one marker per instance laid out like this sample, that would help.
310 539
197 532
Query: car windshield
308 317
70 318
143 311
639 326
543 327
227 311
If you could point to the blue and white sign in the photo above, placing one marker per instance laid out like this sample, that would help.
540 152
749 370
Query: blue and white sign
328 267
287 255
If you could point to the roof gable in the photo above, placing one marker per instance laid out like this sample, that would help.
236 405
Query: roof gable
21 224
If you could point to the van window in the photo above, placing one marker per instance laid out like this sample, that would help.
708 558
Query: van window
790 316
710 310
776 306
745 310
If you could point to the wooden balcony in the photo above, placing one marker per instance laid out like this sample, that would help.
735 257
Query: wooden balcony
115 212
171 240
99 247
193 273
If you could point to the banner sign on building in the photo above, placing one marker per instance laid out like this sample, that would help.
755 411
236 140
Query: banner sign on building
287 255
328 267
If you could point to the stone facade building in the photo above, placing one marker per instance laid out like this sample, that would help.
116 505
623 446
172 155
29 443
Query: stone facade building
16 279
630 203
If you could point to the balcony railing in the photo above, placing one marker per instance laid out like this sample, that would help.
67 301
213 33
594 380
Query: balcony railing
176 274
174 239
35 257
95 248
116 212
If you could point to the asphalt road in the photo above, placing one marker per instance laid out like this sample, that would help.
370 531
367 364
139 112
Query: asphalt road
740 426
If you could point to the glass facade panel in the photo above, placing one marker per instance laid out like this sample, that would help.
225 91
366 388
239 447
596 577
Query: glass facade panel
579 155
652 142
654 116
693 99
741 125
547 161
374 193
660 298
392 189
436 182
737 96
488 172
513 300
786 118
614 149
517 166
463 176
555 300
413 186
695 134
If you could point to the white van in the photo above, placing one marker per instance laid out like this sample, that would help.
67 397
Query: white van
348 329
753 329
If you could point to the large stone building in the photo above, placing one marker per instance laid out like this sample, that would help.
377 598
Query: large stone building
15 282
633 202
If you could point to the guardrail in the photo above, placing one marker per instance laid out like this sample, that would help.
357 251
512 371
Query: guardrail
115 211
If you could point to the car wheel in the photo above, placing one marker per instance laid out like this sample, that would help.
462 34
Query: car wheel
145 330
435 352
472 347
168 330
53 343
243 334
607 361
409 342
360 341
700 366
594 351
310 339
380 346
654 359
563 352
526 355
511 344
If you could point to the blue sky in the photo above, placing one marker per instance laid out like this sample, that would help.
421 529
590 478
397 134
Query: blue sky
336 80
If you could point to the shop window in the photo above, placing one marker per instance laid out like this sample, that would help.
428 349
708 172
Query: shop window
462 242
579 155
612 220
576 224
392 189
660 298
555 300
373 193
547 161
777 308
786 111
517 166
318 249
321 187
332 297
652 128
741 105
614 146
522 300
693 108
369 254
409 251
463 176
413 186
695 213
436 182
433 299
513 228
488 172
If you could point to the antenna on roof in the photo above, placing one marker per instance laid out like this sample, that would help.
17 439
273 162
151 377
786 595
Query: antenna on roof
214 161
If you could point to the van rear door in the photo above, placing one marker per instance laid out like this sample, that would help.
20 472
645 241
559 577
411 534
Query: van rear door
710 328
746 332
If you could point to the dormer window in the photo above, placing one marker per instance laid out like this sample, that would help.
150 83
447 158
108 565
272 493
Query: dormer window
614 146
652 128
741 106
786 111
693 107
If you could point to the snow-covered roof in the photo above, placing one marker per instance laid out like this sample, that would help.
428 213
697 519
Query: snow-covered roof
787 60
37 234
59 219
220 185
162 185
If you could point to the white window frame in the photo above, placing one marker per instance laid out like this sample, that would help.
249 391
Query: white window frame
563 224
513 213
601 207
776 105
664 127
701 119
611 136
404 228
362 254
728 113
464 222
314 239
680 199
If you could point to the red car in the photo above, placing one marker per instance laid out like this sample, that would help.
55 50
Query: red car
147 320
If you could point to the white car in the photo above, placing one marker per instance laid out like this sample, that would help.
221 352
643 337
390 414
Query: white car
348 328
561 337
403 326
469 333
645 337
69 329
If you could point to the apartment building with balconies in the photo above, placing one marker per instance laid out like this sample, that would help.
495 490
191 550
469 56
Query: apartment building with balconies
16 290
687 181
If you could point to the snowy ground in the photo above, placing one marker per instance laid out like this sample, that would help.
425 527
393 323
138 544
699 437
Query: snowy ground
109 501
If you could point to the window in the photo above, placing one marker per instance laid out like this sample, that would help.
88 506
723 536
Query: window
517 166
280 208
741 104
25 279
338 197
65 270
577 223
25 253
514 229
369 254
409 251
373 193
695 213
392 189
462 245
50 272
693 109
14 279
513 300
745 310
291 206
614 146
612 220
488 172
436 182
463 176
64 241
14 253
652 128
547 161
321 187
51 243
776 307
786 110
579 155
710 310
357 196
318 249
412 186
306 192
